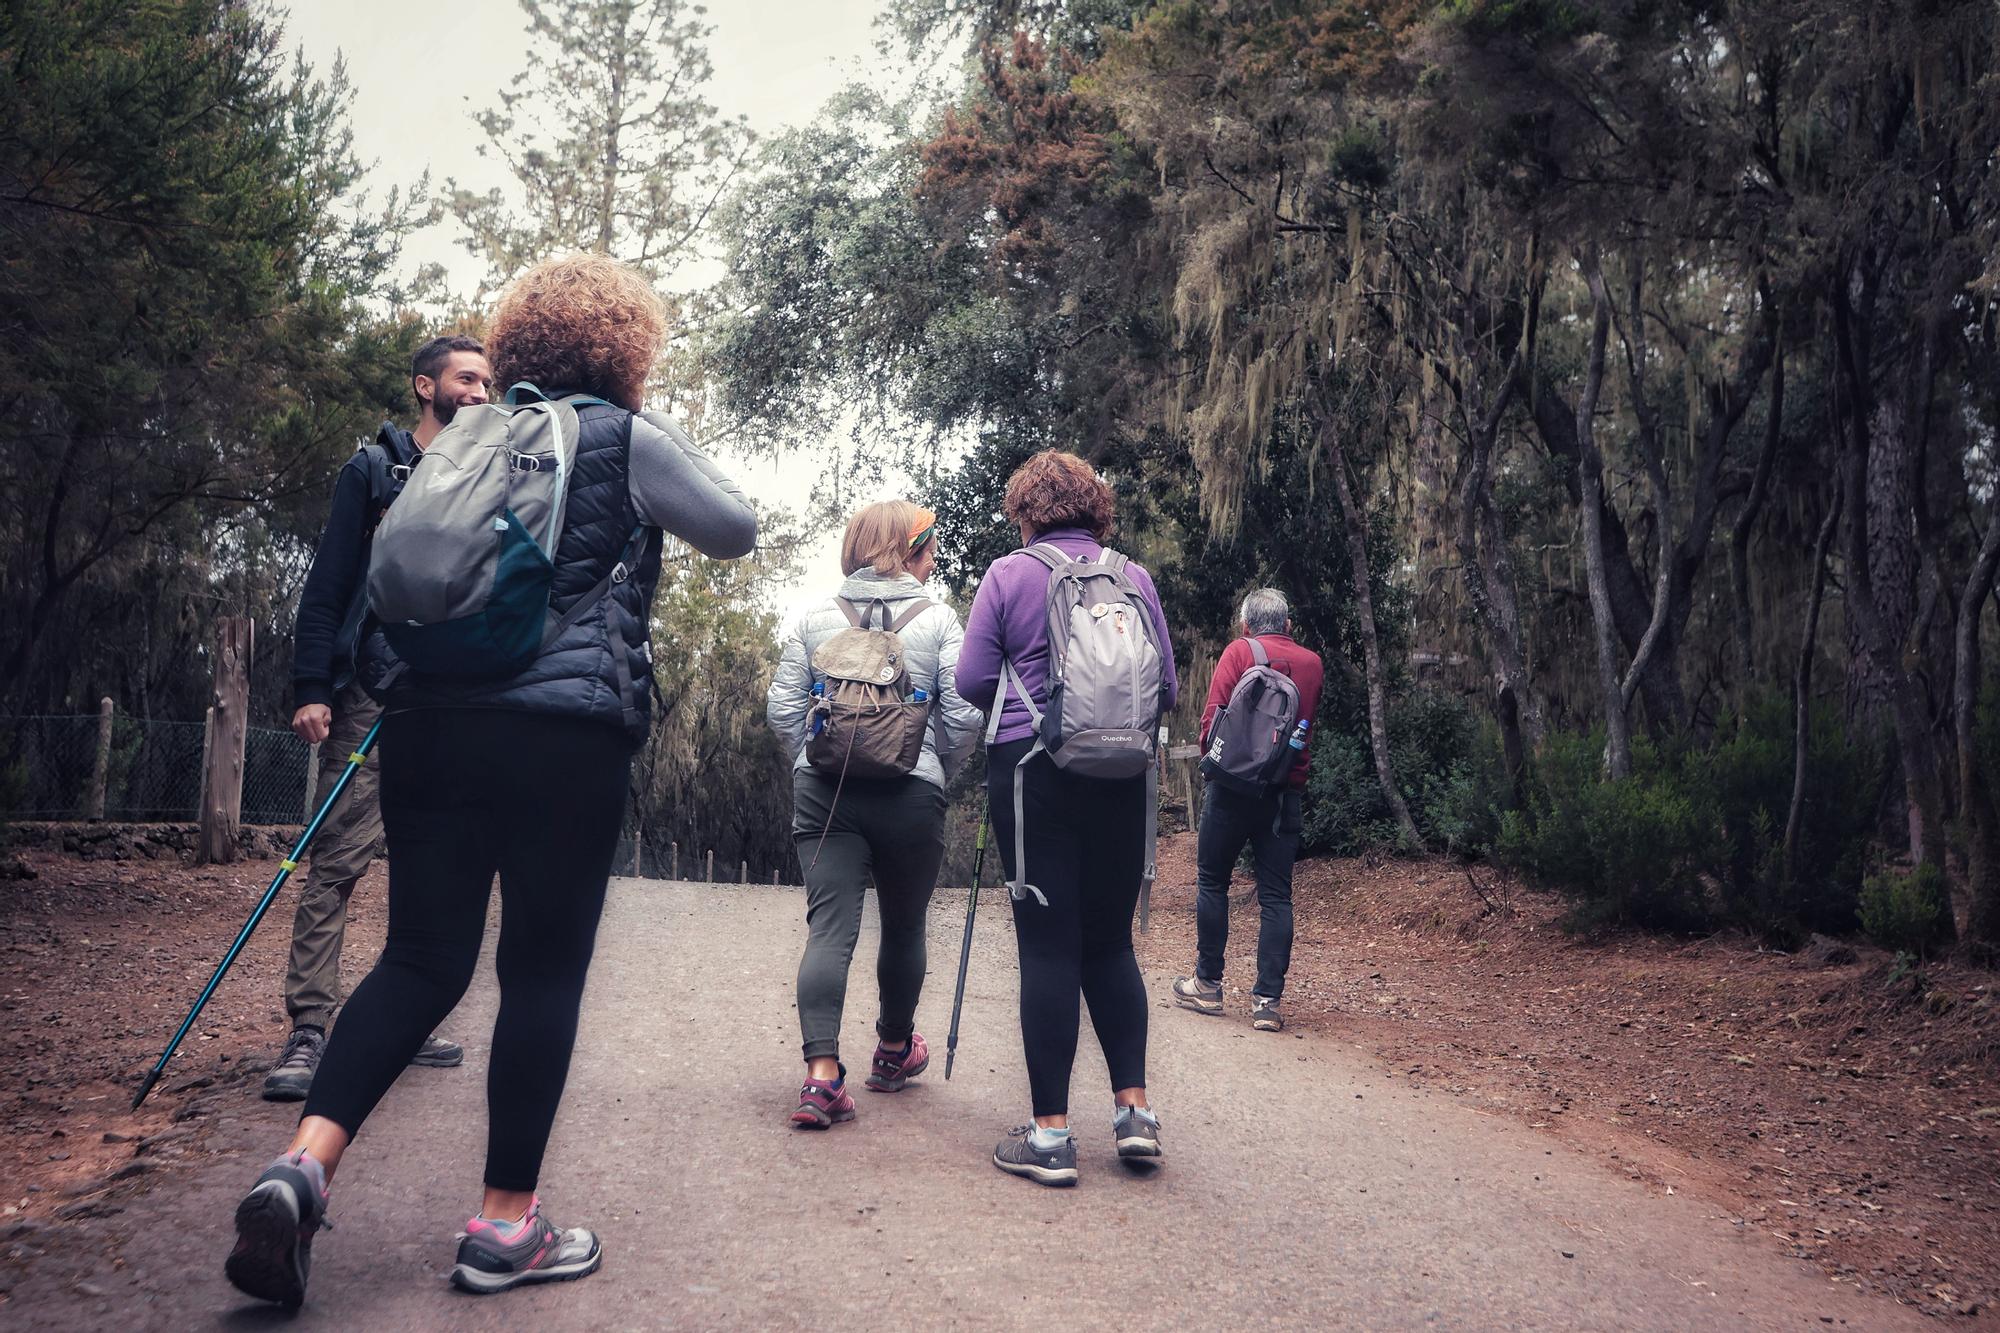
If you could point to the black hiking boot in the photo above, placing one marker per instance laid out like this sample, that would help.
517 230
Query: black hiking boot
1264 1015
292 1078
274 1231
1018 1155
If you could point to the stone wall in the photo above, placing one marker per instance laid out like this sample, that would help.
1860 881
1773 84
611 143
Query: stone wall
143 842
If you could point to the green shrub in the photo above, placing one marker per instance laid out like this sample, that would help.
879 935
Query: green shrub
1637 851
1905 912
1696 837
1448 768
1749 775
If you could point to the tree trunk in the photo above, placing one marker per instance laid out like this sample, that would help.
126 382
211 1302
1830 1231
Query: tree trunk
1802 689
1913 739
1490 586
1745 526
1371 650
1632 613
222 787
1982 821
1617 730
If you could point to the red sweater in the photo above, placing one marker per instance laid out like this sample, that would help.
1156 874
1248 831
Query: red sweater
1301 664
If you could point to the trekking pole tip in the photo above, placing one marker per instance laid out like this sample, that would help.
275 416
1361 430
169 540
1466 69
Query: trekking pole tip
152 1077
949 1056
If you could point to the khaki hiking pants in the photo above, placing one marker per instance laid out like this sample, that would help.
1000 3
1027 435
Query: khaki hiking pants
348 841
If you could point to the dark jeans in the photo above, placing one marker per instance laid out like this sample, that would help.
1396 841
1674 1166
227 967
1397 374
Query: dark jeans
892 831
468 793
1086 845
1270 824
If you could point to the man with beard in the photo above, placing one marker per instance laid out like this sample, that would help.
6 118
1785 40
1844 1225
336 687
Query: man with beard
335 713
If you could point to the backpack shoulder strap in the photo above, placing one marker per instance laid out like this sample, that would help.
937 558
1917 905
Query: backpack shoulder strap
1049 555
902 621
383 483
847 609
1257 652
1115 561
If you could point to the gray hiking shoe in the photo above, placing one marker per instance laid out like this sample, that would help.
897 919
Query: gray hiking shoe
493 1258
1137 1132
437 1053
292 1078
274 1231
1204 997
1264 1015
1018 1155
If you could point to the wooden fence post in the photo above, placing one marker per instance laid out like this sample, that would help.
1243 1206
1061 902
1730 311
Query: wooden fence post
710 877
312 783
743 872
677 859
222 794
100 771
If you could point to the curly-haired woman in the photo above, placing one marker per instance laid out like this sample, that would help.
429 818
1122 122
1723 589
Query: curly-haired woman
524 777
1084 836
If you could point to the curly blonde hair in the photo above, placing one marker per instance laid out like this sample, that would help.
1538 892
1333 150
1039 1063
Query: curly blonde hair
579 324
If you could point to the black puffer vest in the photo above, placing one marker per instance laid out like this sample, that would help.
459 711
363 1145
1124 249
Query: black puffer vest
600 669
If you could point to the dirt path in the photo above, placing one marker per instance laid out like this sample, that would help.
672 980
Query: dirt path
1305 1186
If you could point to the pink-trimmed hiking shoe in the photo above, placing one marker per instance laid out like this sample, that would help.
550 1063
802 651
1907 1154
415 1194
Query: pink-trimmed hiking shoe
822 1105
893 1069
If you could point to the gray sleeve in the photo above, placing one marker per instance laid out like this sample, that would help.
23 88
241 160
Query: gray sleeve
789 699
959 722
676 487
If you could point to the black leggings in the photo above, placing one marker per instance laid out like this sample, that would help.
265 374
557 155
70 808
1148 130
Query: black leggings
1086 844
467 793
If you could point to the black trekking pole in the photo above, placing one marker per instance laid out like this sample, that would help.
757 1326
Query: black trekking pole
285 869
965 949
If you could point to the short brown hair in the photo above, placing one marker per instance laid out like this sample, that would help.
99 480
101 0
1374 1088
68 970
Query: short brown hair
1059 490
878 537
580 324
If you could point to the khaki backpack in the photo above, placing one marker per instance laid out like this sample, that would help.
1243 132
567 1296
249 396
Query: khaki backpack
866 721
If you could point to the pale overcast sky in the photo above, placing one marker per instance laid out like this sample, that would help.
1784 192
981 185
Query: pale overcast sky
420 71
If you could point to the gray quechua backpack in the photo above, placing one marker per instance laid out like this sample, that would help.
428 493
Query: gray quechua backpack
462 565
866 721
1248 743
1106 673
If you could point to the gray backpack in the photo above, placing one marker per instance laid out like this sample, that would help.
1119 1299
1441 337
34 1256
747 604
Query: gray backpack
866 722
1249 742
462 565
1106 673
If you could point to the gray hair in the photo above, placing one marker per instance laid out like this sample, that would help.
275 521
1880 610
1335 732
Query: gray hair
1264 612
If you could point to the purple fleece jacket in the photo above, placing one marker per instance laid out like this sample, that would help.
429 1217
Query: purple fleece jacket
1010 622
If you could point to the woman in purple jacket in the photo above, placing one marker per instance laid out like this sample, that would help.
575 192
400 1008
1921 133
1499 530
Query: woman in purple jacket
1084 836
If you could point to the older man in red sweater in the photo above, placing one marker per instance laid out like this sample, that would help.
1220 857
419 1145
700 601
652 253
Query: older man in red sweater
1268 821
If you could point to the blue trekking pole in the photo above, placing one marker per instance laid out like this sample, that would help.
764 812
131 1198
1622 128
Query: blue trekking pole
285 869
965 949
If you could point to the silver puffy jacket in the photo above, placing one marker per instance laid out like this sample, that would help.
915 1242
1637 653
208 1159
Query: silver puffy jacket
930 642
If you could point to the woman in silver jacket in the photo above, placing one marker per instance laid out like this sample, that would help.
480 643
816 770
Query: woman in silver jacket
848 829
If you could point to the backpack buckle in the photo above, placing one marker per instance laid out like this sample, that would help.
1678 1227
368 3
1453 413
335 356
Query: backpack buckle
619 573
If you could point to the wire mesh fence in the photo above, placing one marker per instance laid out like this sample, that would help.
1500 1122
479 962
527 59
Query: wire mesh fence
152 771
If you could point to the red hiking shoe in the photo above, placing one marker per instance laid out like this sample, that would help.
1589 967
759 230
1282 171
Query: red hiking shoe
822 1105
892 1069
